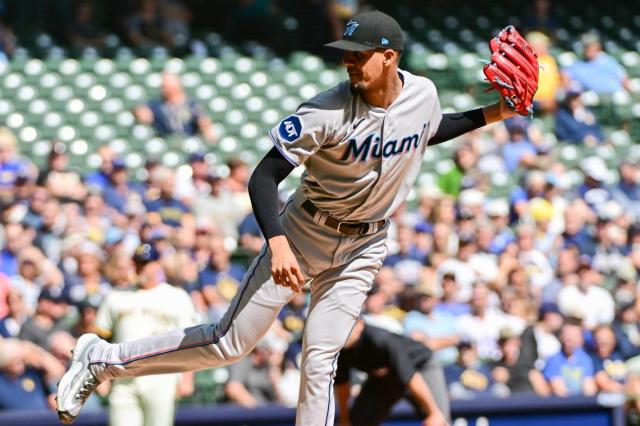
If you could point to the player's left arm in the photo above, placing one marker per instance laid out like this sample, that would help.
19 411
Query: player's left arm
455 124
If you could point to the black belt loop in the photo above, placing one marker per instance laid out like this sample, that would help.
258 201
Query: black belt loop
347 228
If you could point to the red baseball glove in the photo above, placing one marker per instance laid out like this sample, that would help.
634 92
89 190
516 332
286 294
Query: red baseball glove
513 70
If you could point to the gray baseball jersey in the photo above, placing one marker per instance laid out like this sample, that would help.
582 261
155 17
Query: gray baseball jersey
361 161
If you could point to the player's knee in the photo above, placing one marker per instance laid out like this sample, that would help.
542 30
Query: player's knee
319 364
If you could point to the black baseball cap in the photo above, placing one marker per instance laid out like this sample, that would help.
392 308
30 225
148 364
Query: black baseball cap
144 254
370 30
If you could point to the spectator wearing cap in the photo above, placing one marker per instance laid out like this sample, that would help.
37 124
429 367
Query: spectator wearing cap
611 249
470 377
174 113
118 189
518 377
50 311
162 201
437 330
61 181
18 313
518 151
462 266
570 371
549 78
153 308
627 190
542 212
464 173
586 299
598 71
575 123
220 278
539 340
595 188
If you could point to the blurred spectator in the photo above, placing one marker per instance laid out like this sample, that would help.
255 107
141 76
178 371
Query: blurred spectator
611 373
464 174
11 166
84 31
518 151
100 178
627 330
539 341
18 313
535 262
238 183
197 183
48 318
8 39
570 371
251 238
118 190
396 367
627 190
220 279
540 17
61 181
153 308
22 387
549 79
292 317
174 112
437 330
162 201
469 377
449 303
517 376
87 280
484 324
377 309
575 122
586 299
16 239
253 380
146 27
598 71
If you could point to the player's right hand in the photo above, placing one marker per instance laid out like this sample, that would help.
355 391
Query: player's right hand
284 265
435 419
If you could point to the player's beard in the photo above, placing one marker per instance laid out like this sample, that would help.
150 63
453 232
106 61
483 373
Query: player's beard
357 88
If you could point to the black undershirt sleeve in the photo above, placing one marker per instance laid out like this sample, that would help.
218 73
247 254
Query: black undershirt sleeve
263 191
456 124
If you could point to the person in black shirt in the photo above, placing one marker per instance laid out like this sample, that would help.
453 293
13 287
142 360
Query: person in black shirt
397 367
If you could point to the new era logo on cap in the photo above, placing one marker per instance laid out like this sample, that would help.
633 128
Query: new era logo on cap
370 30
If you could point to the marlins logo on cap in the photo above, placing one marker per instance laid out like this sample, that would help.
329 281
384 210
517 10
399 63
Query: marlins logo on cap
370 30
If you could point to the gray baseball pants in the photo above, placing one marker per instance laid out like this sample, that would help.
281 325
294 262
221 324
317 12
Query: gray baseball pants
341 269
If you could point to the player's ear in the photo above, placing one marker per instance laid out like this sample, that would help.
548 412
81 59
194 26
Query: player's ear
390 57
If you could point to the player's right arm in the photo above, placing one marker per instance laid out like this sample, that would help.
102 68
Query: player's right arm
263 191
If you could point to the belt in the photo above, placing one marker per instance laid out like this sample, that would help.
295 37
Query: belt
347 228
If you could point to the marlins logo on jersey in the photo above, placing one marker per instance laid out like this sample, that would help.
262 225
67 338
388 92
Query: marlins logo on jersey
360 152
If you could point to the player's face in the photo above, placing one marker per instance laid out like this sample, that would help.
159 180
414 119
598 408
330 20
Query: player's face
365 69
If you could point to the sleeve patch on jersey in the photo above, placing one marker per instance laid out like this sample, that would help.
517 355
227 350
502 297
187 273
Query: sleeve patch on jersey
290 128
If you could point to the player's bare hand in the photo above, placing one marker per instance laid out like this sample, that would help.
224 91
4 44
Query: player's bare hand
435 419
284 265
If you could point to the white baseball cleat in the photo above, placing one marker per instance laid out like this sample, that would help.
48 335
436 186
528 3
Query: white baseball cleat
78 383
